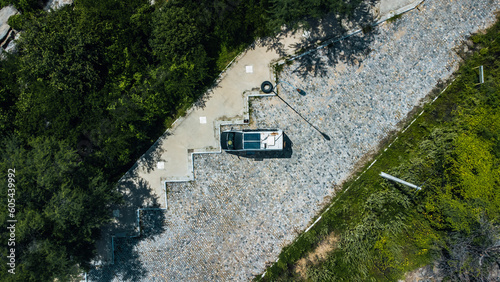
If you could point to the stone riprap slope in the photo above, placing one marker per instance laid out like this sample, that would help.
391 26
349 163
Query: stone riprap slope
234 219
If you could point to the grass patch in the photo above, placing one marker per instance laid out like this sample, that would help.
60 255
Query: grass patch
277 71
387 229
227 55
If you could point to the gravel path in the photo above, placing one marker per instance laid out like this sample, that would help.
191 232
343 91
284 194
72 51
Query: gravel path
234 219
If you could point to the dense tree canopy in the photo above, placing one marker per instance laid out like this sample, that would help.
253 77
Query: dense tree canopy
60 205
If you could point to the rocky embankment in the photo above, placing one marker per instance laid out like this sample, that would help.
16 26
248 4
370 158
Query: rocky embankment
7 34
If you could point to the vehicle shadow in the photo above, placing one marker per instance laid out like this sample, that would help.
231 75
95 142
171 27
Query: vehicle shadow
286 153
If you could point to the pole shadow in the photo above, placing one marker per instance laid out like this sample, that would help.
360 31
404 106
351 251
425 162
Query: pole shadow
325 136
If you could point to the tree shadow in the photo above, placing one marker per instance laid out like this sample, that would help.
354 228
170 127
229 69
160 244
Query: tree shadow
275 43
152 156
201 101
126 263
206 93
324 44
329 44
137 193
286 153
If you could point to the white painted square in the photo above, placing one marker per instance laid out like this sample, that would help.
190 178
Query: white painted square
203 120
116 213
249 69
160 165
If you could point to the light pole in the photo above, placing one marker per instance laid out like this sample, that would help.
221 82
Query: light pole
267 87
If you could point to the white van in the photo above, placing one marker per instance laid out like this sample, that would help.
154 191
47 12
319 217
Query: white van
252 140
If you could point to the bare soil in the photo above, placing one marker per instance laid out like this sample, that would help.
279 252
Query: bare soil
317 255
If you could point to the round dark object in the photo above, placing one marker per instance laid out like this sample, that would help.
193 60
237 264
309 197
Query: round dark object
266 87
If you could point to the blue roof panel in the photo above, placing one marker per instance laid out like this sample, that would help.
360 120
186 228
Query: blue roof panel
251 145
251 137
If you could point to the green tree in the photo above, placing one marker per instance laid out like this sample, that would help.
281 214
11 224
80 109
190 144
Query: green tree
59 68
9 92
60 206
176 33
177 40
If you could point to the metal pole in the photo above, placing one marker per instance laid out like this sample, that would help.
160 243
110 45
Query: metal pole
390 177
323 134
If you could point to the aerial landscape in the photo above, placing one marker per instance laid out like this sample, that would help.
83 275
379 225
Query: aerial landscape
257 140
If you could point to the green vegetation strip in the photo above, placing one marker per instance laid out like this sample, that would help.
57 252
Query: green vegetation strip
385 229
